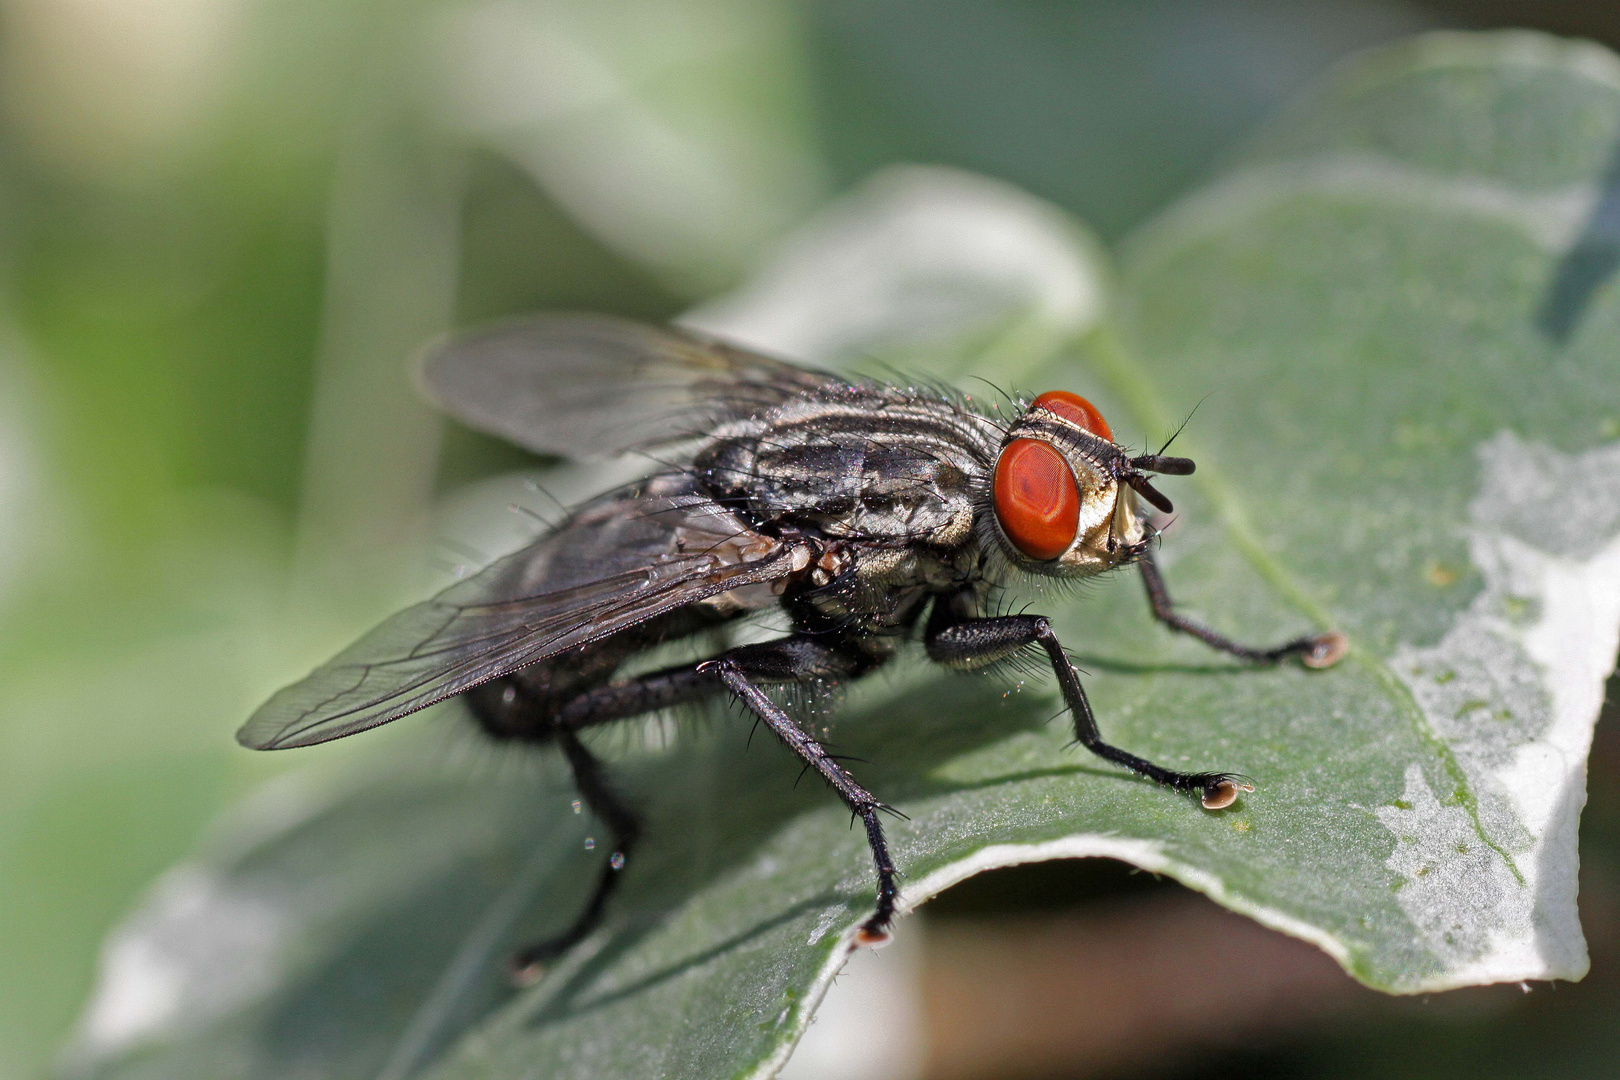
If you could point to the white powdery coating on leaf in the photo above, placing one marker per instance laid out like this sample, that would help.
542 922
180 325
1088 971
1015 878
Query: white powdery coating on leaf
1456 890
1513 689
828 920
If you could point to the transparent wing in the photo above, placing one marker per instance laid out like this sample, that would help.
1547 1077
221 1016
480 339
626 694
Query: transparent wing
594 386
616 563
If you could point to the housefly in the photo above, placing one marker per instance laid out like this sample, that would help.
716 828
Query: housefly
866 514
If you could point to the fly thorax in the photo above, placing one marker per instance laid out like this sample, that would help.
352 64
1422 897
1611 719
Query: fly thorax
850 475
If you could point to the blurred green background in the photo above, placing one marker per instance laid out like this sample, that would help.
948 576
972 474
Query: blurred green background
226 224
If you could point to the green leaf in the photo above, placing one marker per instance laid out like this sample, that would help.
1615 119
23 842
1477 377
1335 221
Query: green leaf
1397 307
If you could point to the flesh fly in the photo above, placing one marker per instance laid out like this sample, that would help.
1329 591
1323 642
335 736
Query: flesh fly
867 515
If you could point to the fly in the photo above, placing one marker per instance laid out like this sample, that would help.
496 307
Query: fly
867 515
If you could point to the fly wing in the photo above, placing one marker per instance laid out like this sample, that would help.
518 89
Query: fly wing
618 562
594 386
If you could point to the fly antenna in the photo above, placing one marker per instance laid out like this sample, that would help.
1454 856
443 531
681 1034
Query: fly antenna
1176 434
1169 466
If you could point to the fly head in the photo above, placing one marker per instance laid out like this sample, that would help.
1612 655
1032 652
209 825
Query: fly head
1064 494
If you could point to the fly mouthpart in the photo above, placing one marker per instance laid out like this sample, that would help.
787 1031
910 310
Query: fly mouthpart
1150 536
1152 494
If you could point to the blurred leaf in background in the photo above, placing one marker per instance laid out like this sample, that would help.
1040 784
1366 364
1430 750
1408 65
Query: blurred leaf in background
1110 110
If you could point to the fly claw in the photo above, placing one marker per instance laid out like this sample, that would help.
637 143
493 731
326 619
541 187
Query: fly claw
1325 650
1222 792
863 515
873 937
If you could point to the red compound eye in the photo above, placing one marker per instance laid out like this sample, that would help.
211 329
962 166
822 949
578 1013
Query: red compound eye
1036 498
1076 410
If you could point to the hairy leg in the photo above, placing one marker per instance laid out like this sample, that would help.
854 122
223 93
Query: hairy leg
1316 651
598 794
974 643
506 712
798 659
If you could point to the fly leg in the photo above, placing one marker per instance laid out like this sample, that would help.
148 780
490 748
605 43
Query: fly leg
799 659
598 705
529 963
966 644
790 660
1317 651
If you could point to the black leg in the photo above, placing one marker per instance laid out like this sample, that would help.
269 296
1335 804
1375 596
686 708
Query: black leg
1318 651
974 643
788 660
796 659
529 963
510 710
503 712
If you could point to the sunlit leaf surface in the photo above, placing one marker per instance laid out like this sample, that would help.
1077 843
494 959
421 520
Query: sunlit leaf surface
1399 315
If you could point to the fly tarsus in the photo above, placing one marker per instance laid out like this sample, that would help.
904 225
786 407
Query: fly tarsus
799 658
792 659
1323 650
1217 791
529 963
970 643
1314 651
